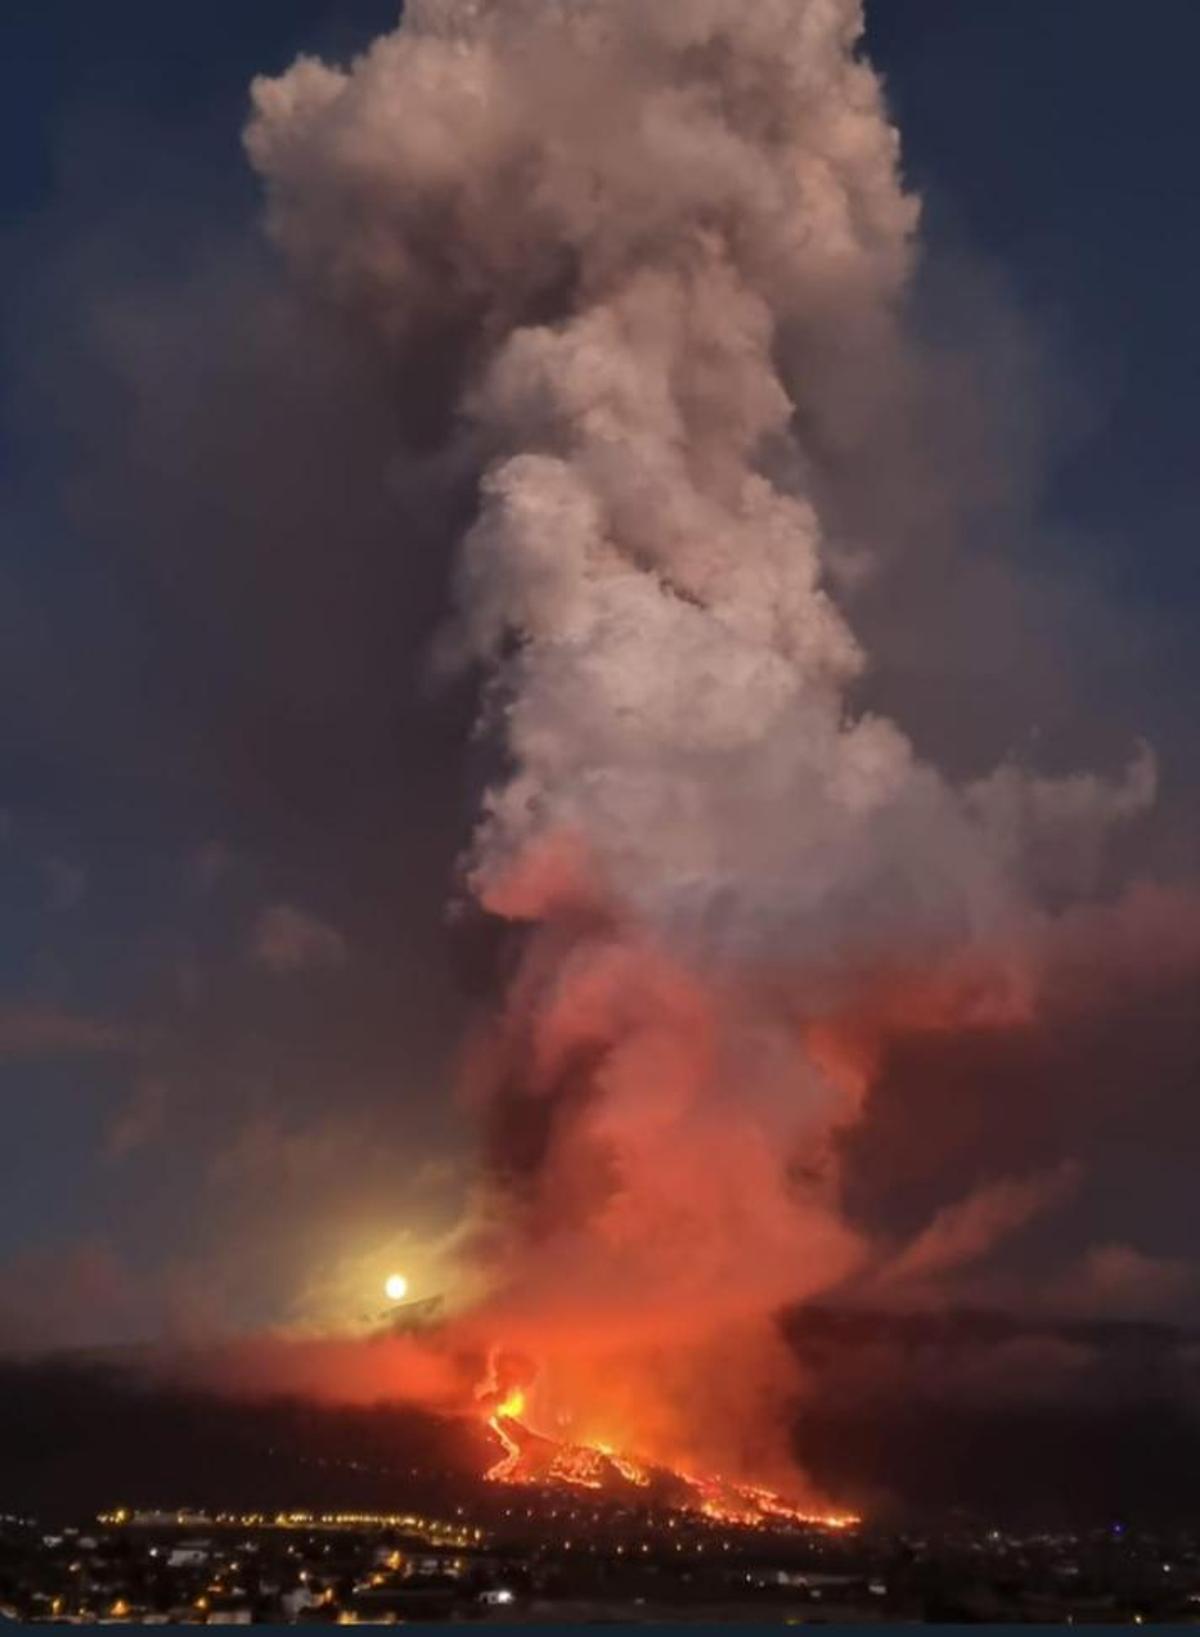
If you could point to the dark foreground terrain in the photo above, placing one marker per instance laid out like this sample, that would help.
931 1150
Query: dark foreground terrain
571 1557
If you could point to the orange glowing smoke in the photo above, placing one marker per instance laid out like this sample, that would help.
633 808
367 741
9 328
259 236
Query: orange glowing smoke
664 1172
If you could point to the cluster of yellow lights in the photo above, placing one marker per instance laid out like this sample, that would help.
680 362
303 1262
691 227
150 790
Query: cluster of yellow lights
457 1534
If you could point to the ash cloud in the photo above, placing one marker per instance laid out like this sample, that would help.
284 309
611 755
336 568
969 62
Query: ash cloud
650 340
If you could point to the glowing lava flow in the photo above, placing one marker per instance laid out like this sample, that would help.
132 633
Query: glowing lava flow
504 1415
532 1458
725 1501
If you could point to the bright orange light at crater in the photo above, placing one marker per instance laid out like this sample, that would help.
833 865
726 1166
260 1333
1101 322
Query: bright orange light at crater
513 1405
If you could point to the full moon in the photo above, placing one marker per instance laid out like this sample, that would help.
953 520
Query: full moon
396 1287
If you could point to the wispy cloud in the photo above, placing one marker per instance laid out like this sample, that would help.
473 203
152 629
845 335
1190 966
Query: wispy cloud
67 882
137 1121
287 939
32 1030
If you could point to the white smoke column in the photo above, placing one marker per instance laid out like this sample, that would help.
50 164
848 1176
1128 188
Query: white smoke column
656 241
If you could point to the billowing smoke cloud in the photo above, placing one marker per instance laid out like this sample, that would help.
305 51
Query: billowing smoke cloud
657 255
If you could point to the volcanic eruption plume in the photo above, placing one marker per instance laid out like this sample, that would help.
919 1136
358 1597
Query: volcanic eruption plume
634 266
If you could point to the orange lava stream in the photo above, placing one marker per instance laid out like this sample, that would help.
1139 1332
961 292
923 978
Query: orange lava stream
506 1468
530 1458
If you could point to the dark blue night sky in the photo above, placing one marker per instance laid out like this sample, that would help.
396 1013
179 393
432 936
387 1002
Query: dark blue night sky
195 751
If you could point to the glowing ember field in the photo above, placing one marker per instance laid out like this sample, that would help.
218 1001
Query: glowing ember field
531 1458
